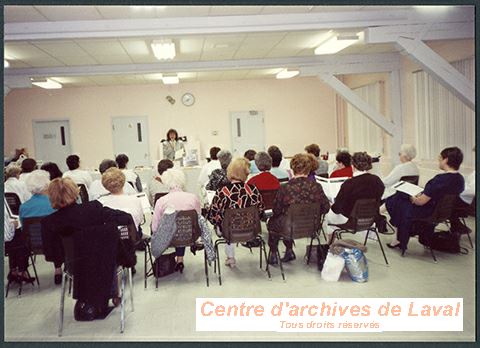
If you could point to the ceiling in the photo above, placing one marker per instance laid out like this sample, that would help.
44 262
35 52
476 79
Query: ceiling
77 56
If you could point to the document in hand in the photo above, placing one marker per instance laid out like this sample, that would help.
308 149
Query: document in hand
408 188
179 154
331 186
11 216
147 208
210 195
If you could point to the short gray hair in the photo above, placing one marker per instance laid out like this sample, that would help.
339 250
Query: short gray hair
174 178
12 171
409 151
37 181
224 157
263 161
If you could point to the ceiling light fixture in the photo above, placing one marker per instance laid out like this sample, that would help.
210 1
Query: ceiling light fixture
6 64
336 44
170 80
163 49
47 83
286 74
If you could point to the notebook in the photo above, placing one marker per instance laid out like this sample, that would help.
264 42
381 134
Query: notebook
331 186
408 188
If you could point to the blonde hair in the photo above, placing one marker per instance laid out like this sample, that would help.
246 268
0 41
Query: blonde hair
62 192
12 171
238 169
113 180
303 163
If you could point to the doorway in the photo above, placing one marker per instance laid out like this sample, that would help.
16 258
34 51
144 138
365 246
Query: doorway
52 142
130 136
248 131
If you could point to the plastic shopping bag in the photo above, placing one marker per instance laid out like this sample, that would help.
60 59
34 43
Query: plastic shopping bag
356 264
333 267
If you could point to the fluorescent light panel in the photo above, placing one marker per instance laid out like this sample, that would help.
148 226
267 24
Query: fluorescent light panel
335 44
286 74
163 49
6 64
170 80
48 84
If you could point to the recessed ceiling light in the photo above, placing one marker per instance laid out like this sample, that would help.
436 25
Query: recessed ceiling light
163 49
336 44
286 74
47 83
170 80
6 64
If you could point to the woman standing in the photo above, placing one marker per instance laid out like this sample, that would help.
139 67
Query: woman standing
172 145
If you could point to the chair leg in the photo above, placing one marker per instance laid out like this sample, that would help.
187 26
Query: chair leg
310 250
122 304
381 247
219 272
324 236
206 267
267 268
366 238
266 261
62 305
433 255
156 276
130 281
69 286
145 267
35 270
7 288
470 240
280 263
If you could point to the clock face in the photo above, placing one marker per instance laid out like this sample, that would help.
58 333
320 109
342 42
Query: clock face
188 99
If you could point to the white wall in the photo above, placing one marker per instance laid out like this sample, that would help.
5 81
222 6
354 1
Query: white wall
297 112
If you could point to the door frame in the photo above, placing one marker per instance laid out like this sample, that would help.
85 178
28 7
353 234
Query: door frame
147 132
231 128
34 121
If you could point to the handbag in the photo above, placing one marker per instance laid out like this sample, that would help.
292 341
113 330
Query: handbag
164 265
444 241
317 255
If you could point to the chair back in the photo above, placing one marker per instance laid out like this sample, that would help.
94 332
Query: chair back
323 175
268 196
67 242
241 225
83 193
129 232
443 209
363 214
157 196
303 220
412 179
283 181
187 231
13 202
32 231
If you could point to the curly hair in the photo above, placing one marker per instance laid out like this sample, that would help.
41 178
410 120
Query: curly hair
362 161
303 164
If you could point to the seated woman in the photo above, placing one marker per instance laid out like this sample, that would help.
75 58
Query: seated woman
28 165
14 185
114 180
298 190
235 195
405 168
277 157
264 180
314 150
178 200
218 178
39 205
404 209
96 189
17 251
343 166
156 185
71 218
362 185
250 156
53 169
130 175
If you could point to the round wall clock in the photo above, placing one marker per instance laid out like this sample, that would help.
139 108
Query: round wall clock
188 99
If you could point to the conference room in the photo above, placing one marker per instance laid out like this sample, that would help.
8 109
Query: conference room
190 125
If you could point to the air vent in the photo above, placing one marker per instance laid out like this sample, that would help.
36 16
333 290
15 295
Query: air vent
253 112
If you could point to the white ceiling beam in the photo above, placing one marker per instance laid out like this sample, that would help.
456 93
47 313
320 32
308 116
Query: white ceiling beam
317 63
157 27
440 69
433 31
17 82
356 101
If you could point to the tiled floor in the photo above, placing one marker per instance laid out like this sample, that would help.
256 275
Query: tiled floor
169 313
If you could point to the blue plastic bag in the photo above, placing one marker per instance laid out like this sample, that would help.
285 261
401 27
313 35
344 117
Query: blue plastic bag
356 264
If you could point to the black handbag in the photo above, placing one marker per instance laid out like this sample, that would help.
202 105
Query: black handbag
165 265
318 254
446 241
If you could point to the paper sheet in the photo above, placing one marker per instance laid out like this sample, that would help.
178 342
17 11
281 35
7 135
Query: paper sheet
147 208
210 195
179 154
331 187
408 188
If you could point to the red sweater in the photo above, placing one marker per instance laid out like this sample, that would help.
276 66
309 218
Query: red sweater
264 181
342 173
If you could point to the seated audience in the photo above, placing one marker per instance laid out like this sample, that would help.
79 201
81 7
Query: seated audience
178 200
219 178
362 185
250 156
114 180
235 195
28 165
277 156
14 185
17 251
71 218
78 175
156 184
405 168
97 190
209 167
463 202
53 169
298 190
130 176
314 149
403 209
39 205
264 180
343 166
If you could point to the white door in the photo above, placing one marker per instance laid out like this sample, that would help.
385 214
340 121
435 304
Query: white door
52 142
130 136
248 132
